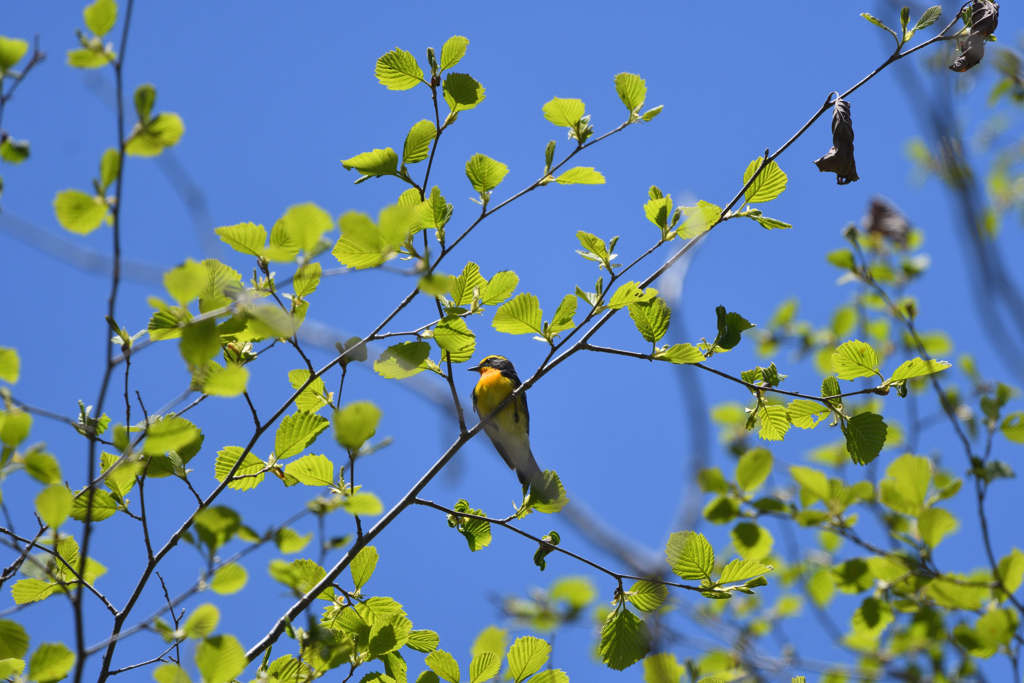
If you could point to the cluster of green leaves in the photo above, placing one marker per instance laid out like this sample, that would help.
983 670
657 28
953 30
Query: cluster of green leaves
12 51
930 16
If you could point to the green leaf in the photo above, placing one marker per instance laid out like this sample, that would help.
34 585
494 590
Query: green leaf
50 662
362 503
855 359
220 659
296 433
376 163
457 340
355 424
304 225
100 16
880 24
772 223
10 667
247 238
145 100
1013 427
578 592
13 640
752 541
648 596
930 16
164 130
39 465
10 365
934 524
871 618
563 319
625 640
462 92
53 504
564 112
444 665
768 185
79 212
806 414
580 175
681 354
651 318
485 173
742 570
361 244
11 51
498 288
14 427
484 667
398 70
690 556
228 381
753 468
31 590
14 151
462 286
362 566
453 50
229 579
402 360
423 641
918 367
434 211
311 470
526 657
289 541
103 506
307 278
632 90
200 342
699 219
774 422
813 484
169 434
730 327
251 468
417 142
630 293
906 484
521 315
1011 570
202 622
996 627
841 258
663 667
88 59
865 437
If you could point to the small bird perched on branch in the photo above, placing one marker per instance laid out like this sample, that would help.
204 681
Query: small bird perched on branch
509 429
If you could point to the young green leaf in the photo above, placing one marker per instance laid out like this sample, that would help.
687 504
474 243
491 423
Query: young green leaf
806 414
227 381
462 286
651 318
462 92
312 470
53 505
690 556
855 359
362 566
934 524
699 219
363 504
247 238
753 468
402 360
630 293
564 314
150 140
880 24
526 657
730 327
10 365
865 436
625 640
681 354
742 570
398 70
564 112
417 142
250 469
202 621
50 662
220 658
918 367
484 667
930 16
499 288
453 50
774 422
11 52
355 424
229 579
170 434
632 90
455 338
376 163
905 486
100 16
297 432
485 173
423 641
813 484
304 225
79 212
580 175
647 596
772 223
444 665
768 185
752 541
521 315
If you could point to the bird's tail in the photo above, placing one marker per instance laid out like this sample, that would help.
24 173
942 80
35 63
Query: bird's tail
527 470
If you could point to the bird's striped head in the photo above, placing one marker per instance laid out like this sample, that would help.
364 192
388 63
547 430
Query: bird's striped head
499 363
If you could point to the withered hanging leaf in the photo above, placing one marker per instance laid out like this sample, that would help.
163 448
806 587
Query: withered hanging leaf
839 159
885 220
984 19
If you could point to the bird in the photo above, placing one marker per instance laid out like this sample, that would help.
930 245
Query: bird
509 430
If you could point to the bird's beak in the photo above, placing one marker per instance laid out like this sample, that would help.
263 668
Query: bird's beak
474 369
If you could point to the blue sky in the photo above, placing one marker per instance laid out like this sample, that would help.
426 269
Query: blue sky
274 95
